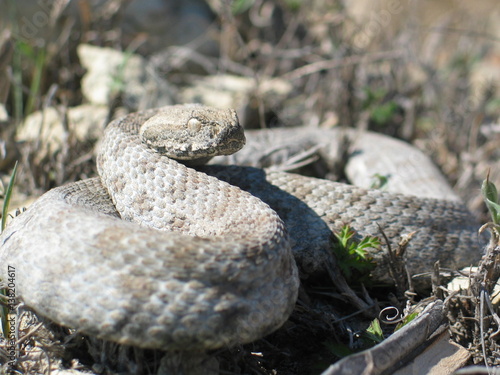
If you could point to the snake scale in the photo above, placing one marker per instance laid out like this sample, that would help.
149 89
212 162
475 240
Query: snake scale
156 254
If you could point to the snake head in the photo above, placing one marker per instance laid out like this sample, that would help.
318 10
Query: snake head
193 133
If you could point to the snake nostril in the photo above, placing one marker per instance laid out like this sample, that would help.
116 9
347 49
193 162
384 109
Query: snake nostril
212 130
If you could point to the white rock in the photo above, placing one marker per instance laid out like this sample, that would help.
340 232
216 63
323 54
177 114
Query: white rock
110 72
4 116
85 122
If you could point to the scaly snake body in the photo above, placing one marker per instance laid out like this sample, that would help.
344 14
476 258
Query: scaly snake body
178 259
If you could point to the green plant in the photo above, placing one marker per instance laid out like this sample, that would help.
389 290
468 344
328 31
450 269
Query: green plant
7 194
27 57
294 5
352 255
379 181
381 111
338 349
406 319
370 337
373 334
490 196
118 81
38 58
241 6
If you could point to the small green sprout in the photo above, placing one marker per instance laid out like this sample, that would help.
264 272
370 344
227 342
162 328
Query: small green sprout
352 255
383 112
406 319
490 196
338 349
241 6
373 334
7 196
379 181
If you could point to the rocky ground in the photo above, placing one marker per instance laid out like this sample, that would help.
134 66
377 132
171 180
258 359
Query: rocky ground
421 72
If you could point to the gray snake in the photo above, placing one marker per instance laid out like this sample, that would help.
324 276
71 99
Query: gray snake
159 255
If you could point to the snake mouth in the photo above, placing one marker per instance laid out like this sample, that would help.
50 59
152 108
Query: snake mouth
232 140
194 155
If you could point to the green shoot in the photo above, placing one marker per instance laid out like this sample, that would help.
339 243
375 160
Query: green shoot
36 83
8 195
381 110
370 337
490 196
26 53
118 80
379 181
293 5
407 319
373 334
241 6
28 56
384 112
338 349
351 254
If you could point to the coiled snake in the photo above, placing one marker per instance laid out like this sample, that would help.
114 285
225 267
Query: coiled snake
156 254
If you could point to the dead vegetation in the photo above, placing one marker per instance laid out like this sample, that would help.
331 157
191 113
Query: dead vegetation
420 84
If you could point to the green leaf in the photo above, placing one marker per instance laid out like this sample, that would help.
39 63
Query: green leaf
490 196
383 113
373 97
338 349
8 195
294 5
241 6
40 61
407 319
26 49
379 181
352 255
489 190
346 233
374 332
367 242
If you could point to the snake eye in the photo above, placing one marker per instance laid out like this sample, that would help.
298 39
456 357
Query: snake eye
194 125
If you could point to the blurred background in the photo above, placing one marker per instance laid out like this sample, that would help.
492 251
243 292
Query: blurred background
424 71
